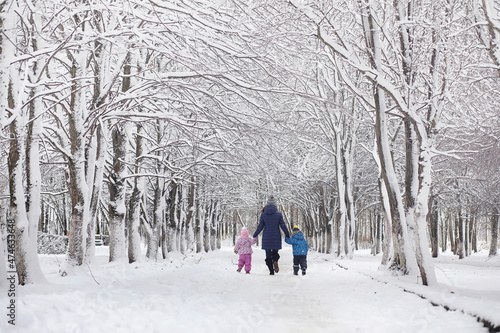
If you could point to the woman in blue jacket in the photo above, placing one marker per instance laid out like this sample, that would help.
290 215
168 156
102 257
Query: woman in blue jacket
271 221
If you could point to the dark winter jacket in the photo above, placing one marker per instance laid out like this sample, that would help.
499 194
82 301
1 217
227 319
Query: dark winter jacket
299 244
271 221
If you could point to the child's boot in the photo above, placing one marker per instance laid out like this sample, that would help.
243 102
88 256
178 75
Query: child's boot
239 269
295 269
303 265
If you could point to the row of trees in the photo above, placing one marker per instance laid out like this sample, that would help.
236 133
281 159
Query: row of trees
400 71
171 123
141 99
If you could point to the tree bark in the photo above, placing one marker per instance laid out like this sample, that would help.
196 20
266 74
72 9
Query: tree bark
460 243
117 195
434 228
172 218
495 218
76 167
451 229
444 234
95 169
154 229
395 205
387 244
133 214
189 225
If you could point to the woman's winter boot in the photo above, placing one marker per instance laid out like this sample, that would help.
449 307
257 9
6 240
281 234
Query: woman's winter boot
276 257
276 267
269 263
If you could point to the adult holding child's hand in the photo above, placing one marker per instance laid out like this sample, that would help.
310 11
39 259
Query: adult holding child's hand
270 222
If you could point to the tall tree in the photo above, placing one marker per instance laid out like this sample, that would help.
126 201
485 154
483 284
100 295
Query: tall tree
117 186
24 117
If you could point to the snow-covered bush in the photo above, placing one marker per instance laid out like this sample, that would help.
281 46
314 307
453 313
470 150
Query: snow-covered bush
52 244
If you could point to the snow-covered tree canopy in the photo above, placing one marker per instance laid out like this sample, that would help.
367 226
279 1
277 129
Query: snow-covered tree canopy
174 120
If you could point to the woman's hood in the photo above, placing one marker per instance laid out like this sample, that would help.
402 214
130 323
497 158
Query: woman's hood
269 210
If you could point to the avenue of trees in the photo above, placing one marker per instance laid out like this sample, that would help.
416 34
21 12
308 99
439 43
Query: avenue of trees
168 123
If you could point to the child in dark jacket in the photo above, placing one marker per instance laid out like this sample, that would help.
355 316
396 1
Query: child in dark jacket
300 248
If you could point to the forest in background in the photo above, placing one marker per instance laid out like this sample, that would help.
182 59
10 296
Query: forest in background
170 122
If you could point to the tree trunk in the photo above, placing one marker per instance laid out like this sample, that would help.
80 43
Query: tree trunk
349 198
199 227
3 261
132 217
180 218
460 243
451 229
342 209
388 243
117 195
3 92
396 210
434 228
417 198
76 168
25 230
18 86
474 233
213 227
206 229
494 233
156 221
190 239
97 149
234 227
172 219
33 185
466 235
96 155
379 233
444 234
372 234
133 214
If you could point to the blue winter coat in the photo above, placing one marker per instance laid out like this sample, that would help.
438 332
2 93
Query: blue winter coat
271 221
299 244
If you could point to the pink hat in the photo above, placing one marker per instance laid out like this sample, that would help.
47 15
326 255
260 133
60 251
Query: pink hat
244 232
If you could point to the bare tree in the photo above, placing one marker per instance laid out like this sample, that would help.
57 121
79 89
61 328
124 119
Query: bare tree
24 115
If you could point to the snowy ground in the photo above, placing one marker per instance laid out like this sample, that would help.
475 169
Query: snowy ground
203 293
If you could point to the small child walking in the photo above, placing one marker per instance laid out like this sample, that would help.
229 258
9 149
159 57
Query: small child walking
300 248
244 248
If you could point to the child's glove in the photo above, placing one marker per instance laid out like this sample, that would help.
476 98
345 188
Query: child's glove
235 251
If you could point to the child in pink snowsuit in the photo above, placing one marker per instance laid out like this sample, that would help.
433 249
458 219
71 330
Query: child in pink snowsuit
244 248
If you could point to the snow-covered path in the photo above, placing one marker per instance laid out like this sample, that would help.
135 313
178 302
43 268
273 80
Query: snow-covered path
203 293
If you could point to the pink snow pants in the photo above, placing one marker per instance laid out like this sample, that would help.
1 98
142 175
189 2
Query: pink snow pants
245 260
